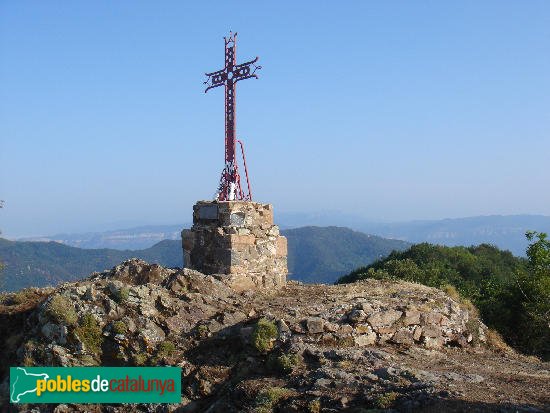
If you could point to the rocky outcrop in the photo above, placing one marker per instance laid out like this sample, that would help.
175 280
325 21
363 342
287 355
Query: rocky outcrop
375 344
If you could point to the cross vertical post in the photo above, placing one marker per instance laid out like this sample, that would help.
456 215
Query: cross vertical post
230 182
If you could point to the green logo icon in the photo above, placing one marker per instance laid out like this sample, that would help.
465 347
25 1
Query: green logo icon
95 384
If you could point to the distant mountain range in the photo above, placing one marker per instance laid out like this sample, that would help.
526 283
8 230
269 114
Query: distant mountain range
121 239
315 255
506 232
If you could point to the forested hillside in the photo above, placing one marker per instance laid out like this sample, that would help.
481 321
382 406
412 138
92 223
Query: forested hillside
38 264
322 254
315 254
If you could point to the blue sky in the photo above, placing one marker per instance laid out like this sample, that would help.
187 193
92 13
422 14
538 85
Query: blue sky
388 110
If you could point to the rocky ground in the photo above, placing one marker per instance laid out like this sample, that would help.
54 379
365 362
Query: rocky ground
304 348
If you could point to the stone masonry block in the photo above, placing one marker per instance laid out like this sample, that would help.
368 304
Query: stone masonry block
237 239
188 239
237 242
282 249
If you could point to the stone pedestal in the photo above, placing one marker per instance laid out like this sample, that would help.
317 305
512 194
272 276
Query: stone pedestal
237 242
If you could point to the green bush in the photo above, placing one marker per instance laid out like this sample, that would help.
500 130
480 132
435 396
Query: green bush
119 327
89 333
264 334
61 311
121 295
166 348
283 363
386 400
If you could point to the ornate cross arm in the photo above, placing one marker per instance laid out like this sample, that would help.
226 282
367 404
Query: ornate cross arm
234 74
246 70
215 79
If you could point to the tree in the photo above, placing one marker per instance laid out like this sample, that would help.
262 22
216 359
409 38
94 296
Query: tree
533 290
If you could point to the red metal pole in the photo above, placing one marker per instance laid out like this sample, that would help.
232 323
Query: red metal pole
246 171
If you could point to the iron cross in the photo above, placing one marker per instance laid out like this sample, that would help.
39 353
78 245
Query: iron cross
230 183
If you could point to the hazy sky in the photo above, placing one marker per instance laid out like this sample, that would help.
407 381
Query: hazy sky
390 110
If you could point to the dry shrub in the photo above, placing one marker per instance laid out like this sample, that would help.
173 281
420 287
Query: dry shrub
60 310
496 342
452 292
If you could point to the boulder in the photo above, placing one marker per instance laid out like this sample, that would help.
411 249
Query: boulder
411 317
403 336
366 339
314 325
56 333
151 334
356 316
384 318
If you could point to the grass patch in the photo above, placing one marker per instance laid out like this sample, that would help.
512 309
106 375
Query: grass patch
346 341
60 310
386 400
452 292
28 361
345 364
268 398
314 406
264 334
89 333
472 326
19 297
87 360
202 331
472 309
140 359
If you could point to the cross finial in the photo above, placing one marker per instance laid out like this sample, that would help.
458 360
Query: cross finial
231 38
230 183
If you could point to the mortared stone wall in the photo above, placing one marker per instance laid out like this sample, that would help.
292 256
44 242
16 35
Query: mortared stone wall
238 242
